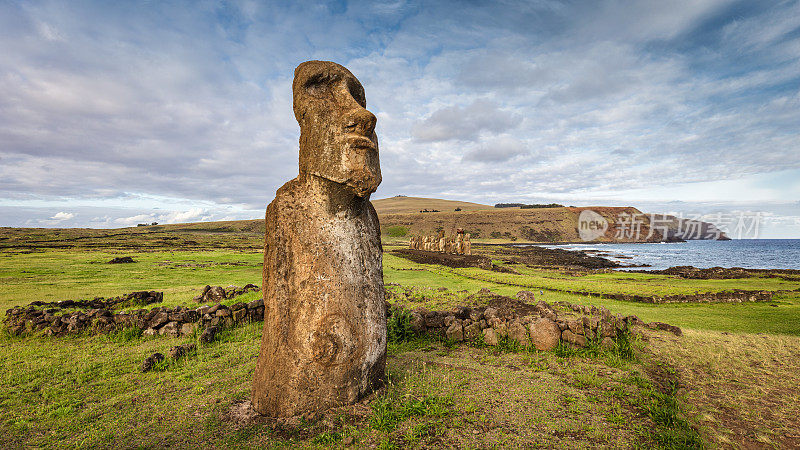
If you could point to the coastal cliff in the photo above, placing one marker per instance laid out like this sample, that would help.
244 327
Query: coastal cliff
540 225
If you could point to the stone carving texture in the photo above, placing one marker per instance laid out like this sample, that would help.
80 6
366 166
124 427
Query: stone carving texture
324 336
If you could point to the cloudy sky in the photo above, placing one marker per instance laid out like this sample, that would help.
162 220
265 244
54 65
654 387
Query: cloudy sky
117 113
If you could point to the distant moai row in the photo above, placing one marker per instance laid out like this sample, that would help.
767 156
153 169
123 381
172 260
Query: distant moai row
457 245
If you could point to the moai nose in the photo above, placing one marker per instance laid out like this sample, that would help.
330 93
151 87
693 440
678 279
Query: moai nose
359 120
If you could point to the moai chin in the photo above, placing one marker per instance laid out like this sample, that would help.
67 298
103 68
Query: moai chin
324 338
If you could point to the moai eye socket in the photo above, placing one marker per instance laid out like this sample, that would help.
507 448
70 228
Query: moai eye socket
319 84
357 91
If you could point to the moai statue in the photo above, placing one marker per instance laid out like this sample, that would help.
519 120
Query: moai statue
323 342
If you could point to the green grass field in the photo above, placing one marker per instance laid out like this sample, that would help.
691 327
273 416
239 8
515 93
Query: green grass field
86 391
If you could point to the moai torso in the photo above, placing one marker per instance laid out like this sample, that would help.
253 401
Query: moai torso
324 338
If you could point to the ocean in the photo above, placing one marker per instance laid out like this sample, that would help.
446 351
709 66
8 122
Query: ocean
746 253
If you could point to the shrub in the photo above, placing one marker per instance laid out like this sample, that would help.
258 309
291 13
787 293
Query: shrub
399 326
397 231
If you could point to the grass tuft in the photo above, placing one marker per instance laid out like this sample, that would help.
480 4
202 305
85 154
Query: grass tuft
672 430
125 335
410 398
399 326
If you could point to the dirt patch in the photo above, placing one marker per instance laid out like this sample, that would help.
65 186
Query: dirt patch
533 255
506 306
741 387
444 259
241 415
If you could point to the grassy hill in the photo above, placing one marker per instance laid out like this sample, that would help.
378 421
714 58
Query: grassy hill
406 205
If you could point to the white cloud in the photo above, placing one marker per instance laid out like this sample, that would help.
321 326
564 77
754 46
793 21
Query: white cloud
134 220
475 102
192 215
61 215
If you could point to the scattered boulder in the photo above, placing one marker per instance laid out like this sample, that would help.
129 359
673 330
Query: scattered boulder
151 361
665 327
121 260
212 294
180 351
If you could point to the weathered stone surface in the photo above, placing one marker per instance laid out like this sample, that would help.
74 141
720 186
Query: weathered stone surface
255 303
159 319
208 335
490 337
576 326
121 260
545 334
574 339
187 329
475 315
607 329
501 328
214 294
171 329
526 296
519 333
418 321
607 344
433 319
463 312
455 332
666 327
324 337
180 351
472 331
151 361
239 314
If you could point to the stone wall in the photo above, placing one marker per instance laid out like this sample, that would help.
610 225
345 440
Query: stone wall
538 325
61 318
458 245
541 326
734 296
216 294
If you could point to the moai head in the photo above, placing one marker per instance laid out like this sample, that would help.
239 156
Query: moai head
337 133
